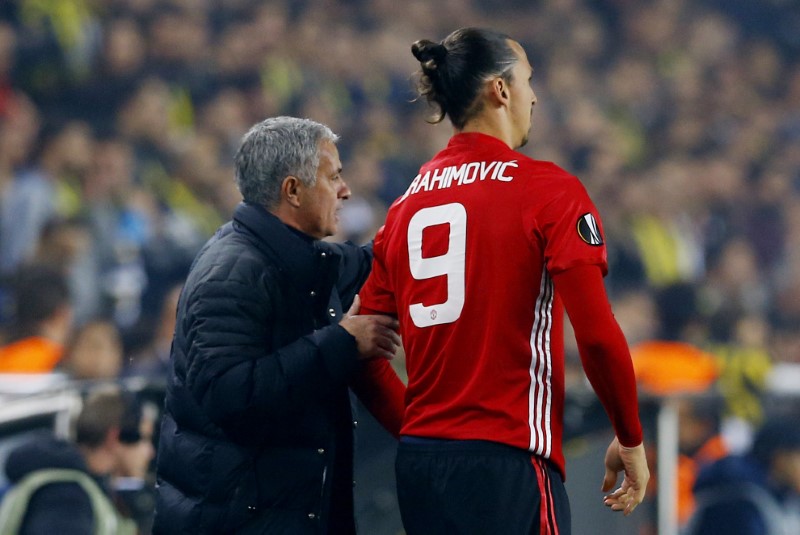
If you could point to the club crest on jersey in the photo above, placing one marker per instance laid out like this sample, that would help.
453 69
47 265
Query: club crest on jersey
588 230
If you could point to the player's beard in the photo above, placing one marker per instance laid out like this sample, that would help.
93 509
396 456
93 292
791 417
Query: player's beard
527 133
525 138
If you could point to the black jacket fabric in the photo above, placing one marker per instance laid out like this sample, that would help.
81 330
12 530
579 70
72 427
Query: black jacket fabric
257 435
62 508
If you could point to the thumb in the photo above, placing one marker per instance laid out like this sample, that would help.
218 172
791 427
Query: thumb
609 480
354 307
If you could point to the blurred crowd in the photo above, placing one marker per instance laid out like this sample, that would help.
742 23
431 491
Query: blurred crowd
119 119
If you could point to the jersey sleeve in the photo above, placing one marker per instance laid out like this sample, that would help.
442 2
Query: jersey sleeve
376 295
570 227
380 390
603 349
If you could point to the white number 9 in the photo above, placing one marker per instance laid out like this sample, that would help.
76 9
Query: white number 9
451 264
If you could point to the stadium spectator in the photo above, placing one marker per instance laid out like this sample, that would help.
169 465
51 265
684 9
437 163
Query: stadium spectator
699 444
716 92
63 487
50 188
94 352
41 321
757 493
681 118
152 360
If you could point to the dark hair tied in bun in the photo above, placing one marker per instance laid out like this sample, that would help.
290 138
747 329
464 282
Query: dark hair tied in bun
429 54
454 71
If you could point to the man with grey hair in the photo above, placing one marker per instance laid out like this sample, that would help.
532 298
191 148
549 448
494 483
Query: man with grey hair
257 435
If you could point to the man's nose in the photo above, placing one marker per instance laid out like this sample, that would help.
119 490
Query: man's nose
344 191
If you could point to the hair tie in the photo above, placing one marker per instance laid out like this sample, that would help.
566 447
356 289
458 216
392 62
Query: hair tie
438 52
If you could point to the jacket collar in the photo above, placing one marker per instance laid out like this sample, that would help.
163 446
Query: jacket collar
294 253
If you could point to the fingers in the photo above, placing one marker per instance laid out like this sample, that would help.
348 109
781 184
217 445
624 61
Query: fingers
389 341
626 498
637 473
622 500
609 480
632 462
386 321
384 328
613 465
392 335
376 335
616 504
385 335
354 308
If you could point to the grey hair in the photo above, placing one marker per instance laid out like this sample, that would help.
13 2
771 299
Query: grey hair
274 149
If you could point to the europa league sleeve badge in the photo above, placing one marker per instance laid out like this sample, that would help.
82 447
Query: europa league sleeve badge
588 230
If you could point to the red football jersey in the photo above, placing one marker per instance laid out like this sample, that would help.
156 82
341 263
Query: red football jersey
465 260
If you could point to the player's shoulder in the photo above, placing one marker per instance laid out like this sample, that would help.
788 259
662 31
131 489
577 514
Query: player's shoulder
548 176
544 169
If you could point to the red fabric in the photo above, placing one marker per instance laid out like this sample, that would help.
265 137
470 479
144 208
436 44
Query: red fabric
548 523
603 349
465 261
380 390
364 311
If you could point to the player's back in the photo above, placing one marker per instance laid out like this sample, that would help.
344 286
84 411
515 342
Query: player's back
465 251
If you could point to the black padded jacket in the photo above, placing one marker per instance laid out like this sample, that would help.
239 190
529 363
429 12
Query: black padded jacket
257 433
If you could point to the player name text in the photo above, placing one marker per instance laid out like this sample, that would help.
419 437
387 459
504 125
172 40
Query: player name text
459 175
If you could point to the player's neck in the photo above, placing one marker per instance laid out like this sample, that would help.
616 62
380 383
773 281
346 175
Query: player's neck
492 125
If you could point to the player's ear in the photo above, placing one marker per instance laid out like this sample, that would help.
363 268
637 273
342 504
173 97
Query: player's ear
499 91
291 190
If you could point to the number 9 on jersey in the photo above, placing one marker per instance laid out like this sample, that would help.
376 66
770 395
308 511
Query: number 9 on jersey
451 264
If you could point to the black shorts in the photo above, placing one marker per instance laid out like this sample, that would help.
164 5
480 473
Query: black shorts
467 487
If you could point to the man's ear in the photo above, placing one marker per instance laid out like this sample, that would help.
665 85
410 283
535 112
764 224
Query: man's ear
290 190
499 91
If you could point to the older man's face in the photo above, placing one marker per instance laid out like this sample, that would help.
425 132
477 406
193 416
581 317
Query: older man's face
320 204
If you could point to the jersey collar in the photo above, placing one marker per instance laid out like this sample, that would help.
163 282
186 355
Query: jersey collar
476 140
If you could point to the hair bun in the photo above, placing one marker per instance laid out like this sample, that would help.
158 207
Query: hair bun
428 53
